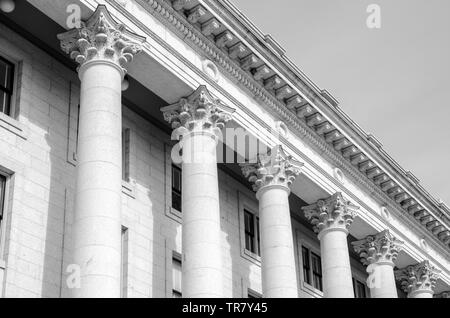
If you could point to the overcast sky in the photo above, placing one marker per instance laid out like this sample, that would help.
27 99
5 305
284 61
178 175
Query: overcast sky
394 81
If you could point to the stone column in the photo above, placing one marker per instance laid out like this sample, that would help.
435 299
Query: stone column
102 48
272 176
419 280
197 121
379 252
331 219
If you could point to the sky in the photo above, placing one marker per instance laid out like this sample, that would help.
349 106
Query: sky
393 81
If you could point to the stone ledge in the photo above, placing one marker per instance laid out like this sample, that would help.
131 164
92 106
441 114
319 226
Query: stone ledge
14 126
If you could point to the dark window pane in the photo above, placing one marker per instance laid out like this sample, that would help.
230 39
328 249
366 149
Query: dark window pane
176 188
6 85
176 178
249 225
317 271
6 75
176 201
360 290
5 102
306 265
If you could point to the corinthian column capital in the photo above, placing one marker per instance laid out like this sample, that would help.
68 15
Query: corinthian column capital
332 213
100 38
379 248
199 112
275 168
418 278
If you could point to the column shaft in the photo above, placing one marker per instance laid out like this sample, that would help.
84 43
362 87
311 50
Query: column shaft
383 285
202 259
336 270
421 294
96 228
279 276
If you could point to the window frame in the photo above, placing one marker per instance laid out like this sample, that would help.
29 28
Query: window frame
250 204
358 282
170 211
129 150
304 237
256 240
310 270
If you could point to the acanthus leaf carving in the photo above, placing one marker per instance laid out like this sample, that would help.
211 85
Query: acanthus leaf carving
419 277
101 38
196 113
382 247
273 168
333 212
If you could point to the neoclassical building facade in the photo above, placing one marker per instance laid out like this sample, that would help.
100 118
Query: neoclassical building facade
168 148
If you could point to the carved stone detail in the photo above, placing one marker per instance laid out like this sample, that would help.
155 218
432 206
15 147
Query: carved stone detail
273 168
101 38
382 247
419 277
196 113
334 212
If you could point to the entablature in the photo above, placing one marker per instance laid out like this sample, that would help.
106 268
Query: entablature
259 63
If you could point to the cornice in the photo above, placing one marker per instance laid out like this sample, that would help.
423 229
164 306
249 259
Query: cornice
310 128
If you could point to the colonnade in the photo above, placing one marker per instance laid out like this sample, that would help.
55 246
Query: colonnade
102 48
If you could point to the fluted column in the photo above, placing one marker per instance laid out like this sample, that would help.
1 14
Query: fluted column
379 252
331 219
102 48
419 280
197 121
272 176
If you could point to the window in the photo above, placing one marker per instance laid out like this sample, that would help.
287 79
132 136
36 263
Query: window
124 263
359 288
176 188
306 265
312 268
252 238
316 271
126 155
176 276
6 85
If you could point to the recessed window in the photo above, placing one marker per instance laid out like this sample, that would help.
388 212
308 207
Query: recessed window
312 268
359 288
6 85
124 263
126 155
252 237
2 198
176 276
176 187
